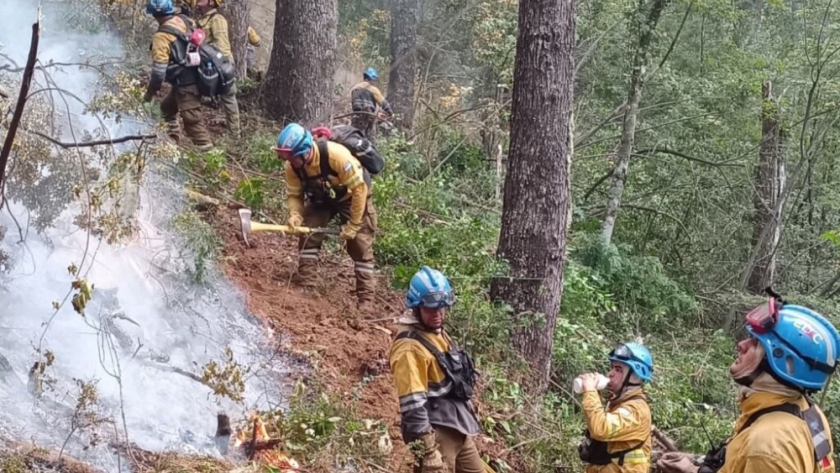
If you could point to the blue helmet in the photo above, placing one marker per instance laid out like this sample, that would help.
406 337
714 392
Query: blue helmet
296 140
429 288
637 357
371 74
800 346
160 8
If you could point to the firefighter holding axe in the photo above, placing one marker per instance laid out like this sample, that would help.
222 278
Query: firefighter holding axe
324 180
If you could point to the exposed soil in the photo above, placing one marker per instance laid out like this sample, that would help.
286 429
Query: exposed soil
349 349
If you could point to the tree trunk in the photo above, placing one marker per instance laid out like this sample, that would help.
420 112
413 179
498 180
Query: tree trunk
631 111
238 15
769 184
537 193
403 62
299 82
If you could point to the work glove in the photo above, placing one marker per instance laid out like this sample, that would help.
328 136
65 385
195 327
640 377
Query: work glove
432 459
676 462
349 231
294 221
147 97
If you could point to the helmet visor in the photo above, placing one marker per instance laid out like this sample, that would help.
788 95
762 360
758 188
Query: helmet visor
437 300
284 154
763 318
623 353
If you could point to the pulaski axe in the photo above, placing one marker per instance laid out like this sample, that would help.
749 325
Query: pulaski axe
247 227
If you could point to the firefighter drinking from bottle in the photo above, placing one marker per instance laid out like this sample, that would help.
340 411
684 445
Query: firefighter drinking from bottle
618 437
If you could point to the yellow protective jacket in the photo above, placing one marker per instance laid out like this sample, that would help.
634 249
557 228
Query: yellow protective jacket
622 424
346 171
365 97
778 442
161 52
215 26
423 387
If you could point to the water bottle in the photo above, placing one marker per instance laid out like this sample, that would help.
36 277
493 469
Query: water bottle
577 384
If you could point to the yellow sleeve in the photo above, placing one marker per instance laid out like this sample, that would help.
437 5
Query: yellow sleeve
625 423
218 27
253 37
762 463
378 97
410 369
350 175
160 47
294 192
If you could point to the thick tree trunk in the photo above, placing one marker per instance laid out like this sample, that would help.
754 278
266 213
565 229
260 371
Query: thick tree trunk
533 235
403 62
238 15
769 184
299 81
631 111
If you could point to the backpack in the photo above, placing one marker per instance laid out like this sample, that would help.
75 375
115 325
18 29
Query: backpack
215 74
354 140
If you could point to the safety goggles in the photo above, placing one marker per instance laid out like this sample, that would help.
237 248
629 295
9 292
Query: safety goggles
284 154
763 318
622 352
437 300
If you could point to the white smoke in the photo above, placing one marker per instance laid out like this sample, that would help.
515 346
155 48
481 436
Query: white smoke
178 324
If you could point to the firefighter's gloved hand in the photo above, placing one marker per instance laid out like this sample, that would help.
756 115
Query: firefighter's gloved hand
349 231
676 462
432 459
294 221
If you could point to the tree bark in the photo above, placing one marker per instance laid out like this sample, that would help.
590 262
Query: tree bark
238 15
299 81
403 62
631 111
769 184
537 193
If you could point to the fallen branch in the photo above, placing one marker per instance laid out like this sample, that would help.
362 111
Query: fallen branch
21 103
121 139
664 440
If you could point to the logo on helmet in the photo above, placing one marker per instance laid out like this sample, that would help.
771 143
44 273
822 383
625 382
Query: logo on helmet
807 329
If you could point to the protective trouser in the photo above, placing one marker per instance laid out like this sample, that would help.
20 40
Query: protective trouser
366 123
231 107
187 101
360 248
458 450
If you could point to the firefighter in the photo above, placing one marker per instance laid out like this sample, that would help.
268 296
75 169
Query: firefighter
316 194
251 53
215 26
789 354
617 437
365 99
434 381
184 95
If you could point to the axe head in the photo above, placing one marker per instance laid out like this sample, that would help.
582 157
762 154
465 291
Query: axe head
245 224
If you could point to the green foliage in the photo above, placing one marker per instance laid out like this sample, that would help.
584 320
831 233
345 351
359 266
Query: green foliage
250 191
199 240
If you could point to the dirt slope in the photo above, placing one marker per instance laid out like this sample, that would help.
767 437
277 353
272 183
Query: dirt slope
320 322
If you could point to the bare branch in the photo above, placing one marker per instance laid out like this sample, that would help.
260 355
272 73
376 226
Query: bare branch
85 144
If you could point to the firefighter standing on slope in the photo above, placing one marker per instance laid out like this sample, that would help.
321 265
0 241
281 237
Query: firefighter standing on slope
434 381
184 94
790 353
320 187
215 26
365 98
618 437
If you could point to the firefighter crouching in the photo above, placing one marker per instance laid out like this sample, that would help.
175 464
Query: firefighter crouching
215 25
184 95
790 354
323 179
365 100
618 438
434 381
